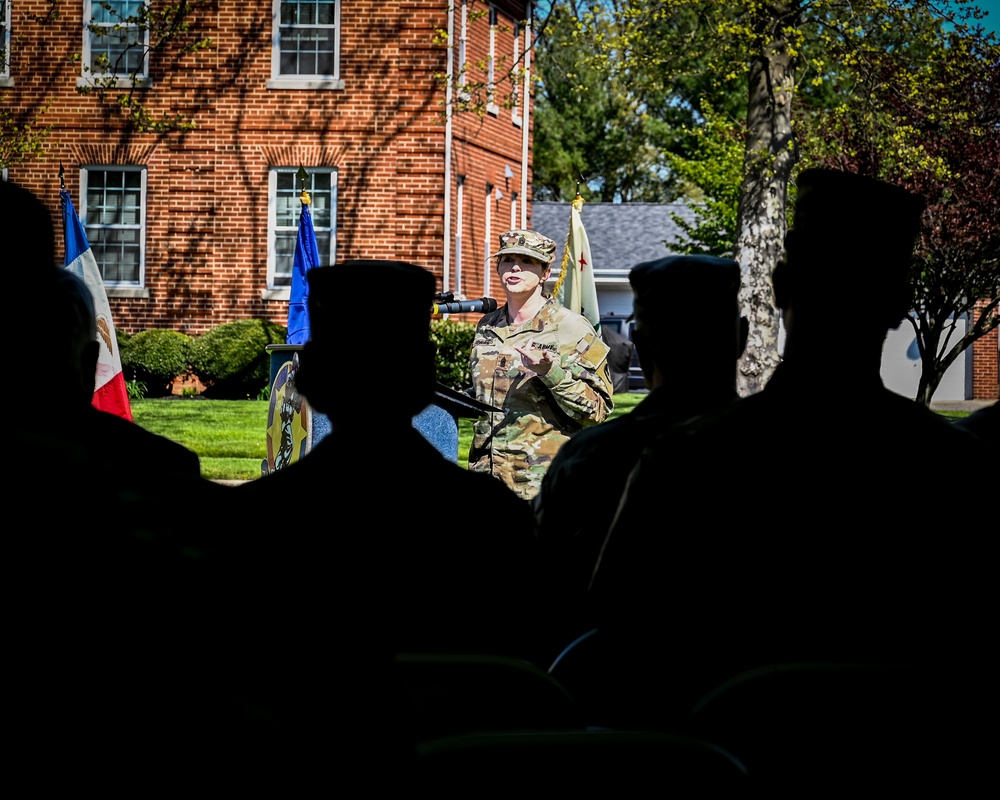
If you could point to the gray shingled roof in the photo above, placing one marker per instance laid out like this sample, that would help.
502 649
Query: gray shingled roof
621 235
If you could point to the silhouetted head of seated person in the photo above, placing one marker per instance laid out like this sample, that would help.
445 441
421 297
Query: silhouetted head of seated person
397 344
845 278
688 329
25 218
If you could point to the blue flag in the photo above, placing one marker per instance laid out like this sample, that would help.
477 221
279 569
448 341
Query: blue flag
306 257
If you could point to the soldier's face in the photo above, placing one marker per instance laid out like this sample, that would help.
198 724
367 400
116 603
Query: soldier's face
520 274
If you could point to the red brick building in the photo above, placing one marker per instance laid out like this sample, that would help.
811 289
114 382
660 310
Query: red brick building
194 228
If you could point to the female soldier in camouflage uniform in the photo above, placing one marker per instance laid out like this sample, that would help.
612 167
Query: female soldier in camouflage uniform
543 365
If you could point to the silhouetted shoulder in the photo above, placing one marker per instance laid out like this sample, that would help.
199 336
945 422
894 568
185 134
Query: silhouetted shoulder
129 442
984 423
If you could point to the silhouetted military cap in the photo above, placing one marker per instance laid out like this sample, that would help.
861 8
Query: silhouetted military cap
683 284
25 218
841 211
404 291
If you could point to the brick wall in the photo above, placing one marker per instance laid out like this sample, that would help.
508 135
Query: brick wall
207 189
985 376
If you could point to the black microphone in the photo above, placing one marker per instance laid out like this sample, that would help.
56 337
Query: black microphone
483 305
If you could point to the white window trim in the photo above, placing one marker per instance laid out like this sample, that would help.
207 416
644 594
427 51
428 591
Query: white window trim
463 54
120 288
5 79
513 210
459 231
302 82
491 107
488 230
518 89
272 292
88 78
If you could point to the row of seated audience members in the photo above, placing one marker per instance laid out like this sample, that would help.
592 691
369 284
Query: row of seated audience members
173 617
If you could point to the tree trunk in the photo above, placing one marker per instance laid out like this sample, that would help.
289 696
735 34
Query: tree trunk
935 357
930 379
767 169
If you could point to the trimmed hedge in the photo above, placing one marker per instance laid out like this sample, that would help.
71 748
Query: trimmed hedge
454 345
231 361
155 357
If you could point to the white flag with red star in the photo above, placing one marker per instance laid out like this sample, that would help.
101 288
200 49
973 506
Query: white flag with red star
576 288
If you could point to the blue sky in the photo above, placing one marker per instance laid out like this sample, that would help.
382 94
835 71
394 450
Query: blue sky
992 22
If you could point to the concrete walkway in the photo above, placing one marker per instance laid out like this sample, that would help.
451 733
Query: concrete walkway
960 405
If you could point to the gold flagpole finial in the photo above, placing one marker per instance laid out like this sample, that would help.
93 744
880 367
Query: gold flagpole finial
303 176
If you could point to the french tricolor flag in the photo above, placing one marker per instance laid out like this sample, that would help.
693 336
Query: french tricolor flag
110 394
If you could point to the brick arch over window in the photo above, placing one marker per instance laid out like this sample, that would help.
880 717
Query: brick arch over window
281 156
120 154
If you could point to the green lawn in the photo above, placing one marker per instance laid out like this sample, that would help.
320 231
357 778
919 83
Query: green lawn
230 436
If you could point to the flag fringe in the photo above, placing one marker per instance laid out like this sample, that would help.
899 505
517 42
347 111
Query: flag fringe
576 204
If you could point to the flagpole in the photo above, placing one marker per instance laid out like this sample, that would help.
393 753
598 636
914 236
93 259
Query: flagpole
578 204
306 258
110 391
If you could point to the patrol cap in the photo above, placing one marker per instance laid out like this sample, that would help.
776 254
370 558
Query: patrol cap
837 213
404 290
527 243
683 285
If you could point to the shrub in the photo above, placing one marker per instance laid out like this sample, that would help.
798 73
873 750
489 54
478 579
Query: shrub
454 344
155 357
136 390
122 338
231 361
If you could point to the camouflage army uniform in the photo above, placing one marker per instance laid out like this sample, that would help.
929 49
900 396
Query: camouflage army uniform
540 413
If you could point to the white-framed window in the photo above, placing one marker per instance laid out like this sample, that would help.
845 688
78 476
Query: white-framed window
305 45
5 43
115 40
515 80
113 211
488 231
463 51
491 106
284 210
459 232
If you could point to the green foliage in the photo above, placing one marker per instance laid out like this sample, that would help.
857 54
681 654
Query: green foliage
122 338
454 346
713 171
20 142
597 131
231 359
888 88
136 390
924 112
155 357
